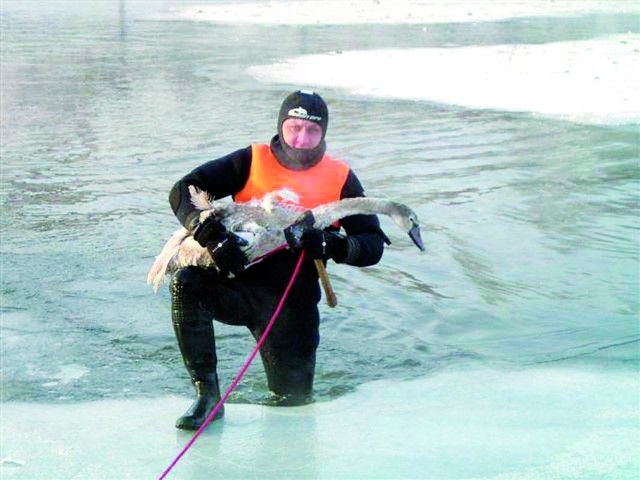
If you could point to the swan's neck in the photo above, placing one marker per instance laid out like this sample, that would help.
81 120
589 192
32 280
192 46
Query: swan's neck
326 214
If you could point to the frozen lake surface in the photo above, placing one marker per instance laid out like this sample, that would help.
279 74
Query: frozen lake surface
541 423
509 350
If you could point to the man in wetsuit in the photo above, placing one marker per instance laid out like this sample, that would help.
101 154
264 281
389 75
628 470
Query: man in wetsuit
295 164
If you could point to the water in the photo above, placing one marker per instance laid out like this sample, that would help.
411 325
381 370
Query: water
531 224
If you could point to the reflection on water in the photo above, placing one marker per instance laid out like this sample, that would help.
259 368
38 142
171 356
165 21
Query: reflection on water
531 224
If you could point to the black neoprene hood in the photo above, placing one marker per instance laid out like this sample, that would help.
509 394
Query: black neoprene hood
305 105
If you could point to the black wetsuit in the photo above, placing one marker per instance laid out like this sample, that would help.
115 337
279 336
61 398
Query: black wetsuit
200 295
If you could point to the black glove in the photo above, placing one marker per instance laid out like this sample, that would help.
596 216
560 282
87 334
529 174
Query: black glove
226 253
210 229
324 245
222 246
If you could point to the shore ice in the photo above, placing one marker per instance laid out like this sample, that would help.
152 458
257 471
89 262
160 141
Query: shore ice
589 81
481 424
343 12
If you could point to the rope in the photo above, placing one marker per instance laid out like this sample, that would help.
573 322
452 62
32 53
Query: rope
241 373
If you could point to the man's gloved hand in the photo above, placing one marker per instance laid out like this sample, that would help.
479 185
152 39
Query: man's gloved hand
222 246
227 255
210 229
324 245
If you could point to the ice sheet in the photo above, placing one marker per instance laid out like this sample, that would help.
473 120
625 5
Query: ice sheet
591 81
483 424
394 11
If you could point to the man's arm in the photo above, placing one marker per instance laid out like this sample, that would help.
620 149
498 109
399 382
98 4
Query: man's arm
220 178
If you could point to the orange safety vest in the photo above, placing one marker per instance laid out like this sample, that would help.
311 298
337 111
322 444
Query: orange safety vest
315 186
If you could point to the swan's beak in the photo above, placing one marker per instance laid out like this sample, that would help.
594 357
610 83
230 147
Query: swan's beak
414 233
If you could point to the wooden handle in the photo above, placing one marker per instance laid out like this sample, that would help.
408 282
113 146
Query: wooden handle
330 295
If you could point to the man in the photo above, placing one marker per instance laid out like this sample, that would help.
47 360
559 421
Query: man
294 163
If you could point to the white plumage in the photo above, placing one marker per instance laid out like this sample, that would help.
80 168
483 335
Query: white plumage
261 225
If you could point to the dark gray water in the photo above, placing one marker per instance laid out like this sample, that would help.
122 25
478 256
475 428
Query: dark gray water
531 224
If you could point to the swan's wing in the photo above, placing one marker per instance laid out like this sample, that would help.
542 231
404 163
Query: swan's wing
199 198
190 253
158 270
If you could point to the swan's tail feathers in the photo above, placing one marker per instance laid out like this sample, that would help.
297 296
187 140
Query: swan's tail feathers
158 270
199 198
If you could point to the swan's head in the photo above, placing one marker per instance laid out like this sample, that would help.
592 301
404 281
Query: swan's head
408 221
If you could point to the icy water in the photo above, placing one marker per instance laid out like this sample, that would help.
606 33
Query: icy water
531 224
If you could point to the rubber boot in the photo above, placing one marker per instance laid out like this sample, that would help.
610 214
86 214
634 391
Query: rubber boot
194 331
207 397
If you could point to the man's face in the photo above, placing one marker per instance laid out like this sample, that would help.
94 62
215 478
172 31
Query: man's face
300 133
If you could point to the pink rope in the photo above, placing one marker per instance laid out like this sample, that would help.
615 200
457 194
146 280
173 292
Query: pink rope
241 373
259 258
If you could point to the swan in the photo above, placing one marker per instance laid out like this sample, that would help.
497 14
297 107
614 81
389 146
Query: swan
259 226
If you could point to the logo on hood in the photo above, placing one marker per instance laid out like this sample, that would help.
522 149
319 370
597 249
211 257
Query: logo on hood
301 112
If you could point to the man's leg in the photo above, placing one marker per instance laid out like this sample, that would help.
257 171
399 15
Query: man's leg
289 353
194 331
198 296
